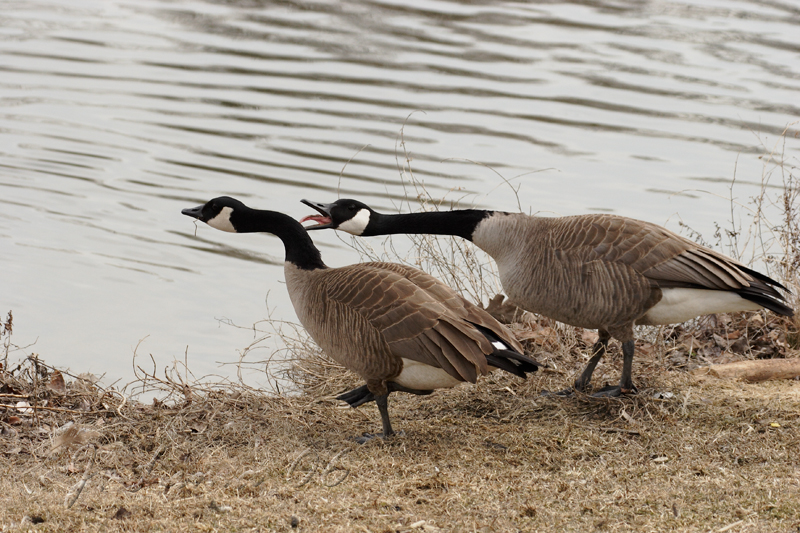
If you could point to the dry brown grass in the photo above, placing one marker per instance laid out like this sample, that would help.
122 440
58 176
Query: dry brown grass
496 456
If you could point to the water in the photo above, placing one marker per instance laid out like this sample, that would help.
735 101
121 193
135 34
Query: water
115 115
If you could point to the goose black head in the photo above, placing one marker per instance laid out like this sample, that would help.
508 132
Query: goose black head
347 215
220 213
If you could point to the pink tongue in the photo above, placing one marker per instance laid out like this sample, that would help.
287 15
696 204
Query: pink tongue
317 218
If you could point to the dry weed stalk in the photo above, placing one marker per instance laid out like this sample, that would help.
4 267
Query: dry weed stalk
6 329
76 490
148 468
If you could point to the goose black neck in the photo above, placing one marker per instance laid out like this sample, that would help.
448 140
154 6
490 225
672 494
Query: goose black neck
300 249
461 223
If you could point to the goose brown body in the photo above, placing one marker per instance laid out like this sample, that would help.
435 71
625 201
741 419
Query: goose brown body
397 327
371 316
609 272
596 271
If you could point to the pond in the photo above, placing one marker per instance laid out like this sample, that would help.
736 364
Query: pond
115 115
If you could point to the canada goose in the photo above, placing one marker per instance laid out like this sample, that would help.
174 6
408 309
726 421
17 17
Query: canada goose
603 272
397 327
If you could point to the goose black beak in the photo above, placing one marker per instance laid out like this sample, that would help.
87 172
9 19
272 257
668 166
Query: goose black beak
323 219
194 212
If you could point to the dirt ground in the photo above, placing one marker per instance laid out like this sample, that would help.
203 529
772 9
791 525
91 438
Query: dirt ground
688 453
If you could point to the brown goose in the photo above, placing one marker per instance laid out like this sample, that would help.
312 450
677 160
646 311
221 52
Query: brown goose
397 327
603 272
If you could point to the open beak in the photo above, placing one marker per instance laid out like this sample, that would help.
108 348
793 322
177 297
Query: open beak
323 220
194 212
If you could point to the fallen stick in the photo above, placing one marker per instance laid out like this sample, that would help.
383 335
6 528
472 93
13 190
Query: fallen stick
754 371
53 409
610 429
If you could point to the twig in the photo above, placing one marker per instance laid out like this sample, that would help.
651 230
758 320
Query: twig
341 172
54 409
330 468
610 429
148 468
730 526
76 490
54 369
292 468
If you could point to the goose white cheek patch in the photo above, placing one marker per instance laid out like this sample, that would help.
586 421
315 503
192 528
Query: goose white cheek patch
223 220
357 224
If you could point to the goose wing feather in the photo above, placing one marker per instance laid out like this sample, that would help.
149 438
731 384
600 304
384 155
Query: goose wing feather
455 303
665 258
413 323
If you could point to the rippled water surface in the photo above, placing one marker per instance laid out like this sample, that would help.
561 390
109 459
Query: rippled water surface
116 115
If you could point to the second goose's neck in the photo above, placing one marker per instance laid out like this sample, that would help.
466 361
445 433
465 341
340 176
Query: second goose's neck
461 222
300 249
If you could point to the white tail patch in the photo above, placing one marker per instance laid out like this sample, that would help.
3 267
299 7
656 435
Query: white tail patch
416 375
500 346
223 220
680 305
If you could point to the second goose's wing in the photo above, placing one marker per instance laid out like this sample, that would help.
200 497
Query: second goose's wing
454 302
413 323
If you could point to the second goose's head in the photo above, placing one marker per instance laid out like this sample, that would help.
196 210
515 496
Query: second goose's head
358 218
223 213
351 216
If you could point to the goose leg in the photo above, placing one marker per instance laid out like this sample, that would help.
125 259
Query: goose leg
599 350
626 381
383 406
582 383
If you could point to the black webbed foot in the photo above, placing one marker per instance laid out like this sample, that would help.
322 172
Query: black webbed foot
361 395
366 437
613 391
357 396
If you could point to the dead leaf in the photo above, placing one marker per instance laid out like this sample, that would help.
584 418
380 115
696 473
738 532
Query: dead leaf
733 335
645 349
543 336
56 383
24 408
719 341
73 435
740 346
121 514
503 310
589 337
86 382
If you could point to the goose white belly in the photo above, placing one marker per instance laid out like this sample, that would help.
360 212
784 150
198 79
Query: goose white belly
681 304
416 375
